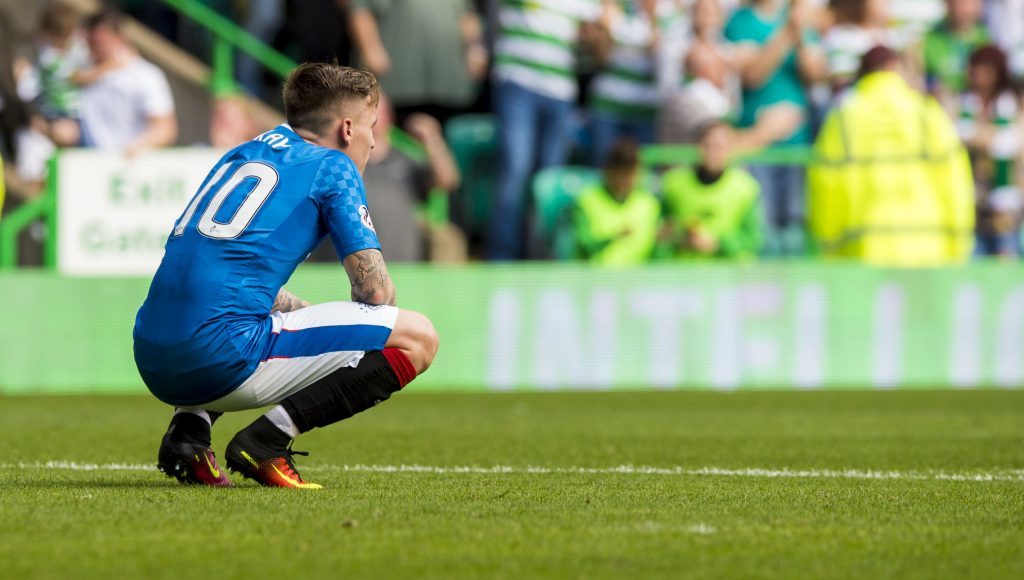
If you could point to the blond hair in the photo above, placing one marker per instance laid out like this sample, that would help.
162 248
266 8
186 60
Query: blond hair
314 93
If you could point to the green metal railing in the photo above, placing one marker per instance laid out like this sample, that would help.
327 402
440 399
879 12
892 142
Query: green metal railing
228 37
660 155
44 209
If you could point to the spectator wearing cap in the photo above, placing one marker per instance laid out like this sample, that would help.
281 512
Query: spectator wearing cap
711 210
616 221
992 127
129 107
891 184
777 54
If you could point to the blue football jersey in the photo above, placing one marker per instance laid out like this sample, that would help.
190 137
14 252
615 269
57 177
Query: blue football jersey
205 325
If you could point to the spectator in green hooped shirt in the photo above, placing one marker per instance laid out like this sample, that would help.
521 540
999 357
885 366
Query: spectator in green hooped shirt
711 210
616 221
949 45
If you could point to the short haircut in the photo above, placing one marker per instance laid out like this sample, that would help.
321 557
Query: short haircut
59 20
624 155
315 91
109 17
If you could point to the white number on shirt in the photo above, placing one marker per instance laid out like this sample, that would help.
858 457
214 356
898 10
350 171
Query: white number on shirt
266 182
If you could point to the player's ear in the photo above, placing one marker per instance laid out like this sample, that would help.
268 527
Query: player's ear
345 131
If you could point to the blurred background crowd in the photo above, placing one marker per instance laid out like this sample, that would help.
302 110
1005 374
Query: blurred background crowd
616 131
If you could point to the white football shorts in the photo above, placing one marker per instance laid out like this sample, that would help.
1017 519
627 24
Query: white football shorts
307 345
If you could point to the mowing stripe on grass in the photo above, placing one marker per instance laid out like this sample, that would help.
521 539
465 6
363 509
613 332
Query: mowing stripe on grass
1001 475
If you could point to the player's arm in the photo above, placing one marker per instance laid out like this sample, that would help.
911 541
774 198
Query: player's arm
287 302
371 283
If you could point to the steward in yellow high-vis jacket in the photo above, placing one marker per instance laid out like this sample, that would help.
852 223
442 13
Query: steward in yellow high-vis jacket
891 183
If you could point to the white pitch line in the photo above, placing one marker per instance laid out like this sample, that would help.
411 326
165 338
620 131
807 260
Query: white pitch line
752 472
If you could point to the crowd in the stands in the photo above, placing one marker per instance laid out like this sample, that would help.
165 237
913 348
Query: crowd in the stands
618 131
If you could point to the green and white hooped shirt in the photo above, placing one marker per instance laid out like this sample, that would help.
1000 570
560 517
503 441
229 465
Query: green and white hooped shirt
538 42
628 86
1006 143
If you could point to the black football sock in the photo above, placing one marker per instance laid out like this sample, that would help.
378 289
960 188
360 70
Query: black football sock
270 440
189 428
343 393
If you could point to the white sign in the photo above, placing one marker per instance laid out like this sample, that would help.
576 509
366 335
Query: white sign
114 213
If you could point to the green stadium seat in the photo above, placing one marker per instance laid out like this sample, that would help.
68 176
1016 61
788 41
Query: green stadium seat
554 190
473 140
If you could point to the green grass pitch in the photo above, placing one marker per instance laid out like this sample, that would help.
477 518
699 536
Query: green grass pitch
805 484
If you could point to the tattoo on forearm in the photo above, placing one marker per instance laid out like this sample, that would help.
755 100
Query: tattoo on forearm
287 302
369 276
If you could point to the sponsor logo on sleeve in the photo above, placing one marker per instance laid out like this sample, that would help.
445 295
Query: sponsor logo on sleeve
364 216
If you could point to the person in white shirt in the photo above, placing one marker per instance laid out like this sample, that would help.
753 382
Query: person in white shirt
1005 21
860 26
129 107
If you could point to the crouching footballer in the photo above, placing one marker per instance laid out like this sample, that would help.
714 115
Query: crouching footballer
218 333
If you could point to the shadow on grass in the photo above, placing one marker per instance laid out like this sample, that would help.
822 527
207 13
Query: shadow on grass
119 484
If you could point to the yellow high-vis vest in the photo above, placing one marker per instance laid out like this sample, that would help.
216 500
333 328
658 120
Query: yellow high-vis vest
617 233
891 183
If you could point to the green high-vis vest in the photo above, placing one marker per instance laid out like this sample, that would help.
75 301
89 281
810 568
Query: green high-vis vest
616 233
726 209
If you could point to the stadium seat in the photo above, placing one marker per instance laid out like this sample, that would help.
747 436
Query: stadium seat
554 190
473 140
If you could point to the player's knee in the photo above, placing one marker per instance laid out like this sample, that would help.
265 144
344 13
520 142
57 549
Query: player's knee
426 341
433 342
416 336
